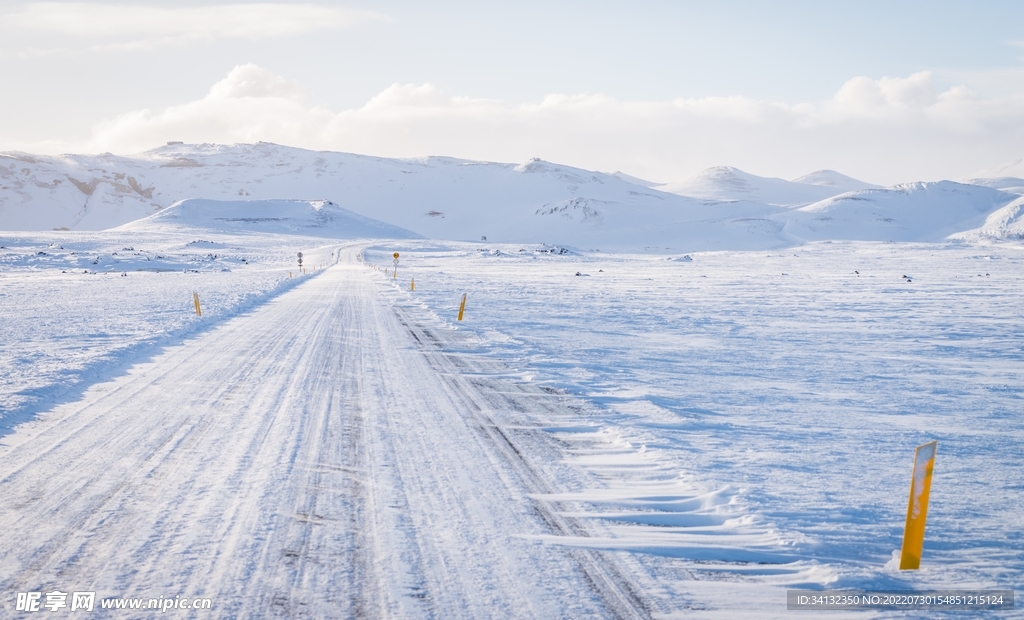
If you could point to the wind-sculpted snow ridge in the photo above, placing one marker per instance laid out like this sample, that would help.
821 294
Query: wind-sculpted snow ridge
319 218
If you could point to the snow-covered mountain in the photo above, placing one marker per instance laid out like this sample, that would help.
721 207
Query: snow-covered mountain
1006 184
635 180
1013 168
907 212
314 218
727 183
1008 177
1004 223
835 181
447 198
438 197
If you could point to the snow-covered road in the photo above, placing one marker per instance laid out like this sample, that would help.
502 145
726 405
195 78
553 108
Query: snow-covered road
327 454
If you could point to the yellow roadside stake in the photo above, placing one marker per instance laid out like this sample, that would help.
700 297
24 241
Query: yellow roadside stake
412 284
195 300
917 511
462 306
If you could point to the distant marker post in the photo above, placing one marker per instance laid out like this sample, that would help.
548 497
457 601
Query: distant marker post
917 510
412 284
195 300
462 306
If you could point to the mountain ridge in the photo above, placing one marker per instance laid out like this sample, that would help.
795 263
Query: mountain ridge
449 198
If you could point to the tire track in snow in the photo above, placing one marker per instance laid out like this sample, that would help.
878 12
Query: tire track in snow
480 397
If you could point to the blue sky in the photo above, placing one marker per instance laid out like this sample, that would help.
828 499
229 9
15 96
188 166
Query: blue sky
658 89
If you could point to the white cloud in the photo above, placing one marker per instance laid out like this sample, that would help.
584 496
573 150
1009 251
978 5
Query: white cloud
886 130
865 96
252 81
123 26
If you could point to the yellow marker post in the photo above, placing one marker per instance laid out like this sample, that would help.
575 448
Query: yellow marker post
195 300
917 511
462 306
289 275
412 284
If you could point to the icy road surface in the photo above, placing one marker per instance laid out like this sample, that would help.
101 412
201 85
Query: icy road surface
321 456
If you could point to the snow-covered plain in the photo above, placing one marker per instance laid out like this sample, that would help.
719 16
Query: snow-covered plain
754 414
71 318
711 428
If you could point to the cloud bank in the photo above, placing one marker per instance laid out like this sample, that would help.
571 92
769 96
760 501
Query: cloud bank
885 131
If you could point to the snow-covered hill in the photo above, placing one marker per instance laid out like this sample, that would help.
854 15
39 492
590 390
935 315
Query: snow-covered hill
315 218
1004 223
446 198
727 183
908 212
437 197
834 180
1008 177
1013 168
1006 184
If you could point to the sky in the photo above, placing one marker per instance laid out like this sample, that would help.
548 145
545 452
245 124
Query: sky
886 92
